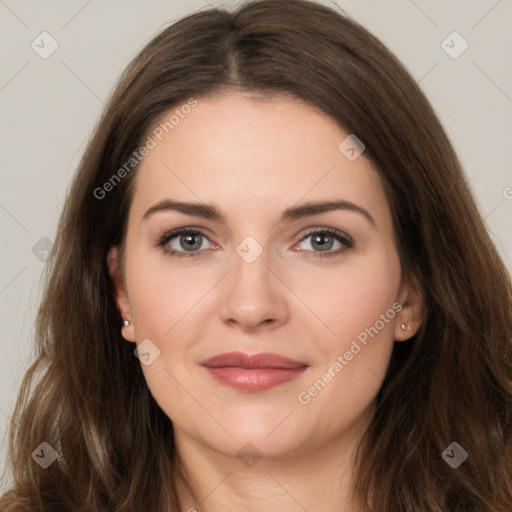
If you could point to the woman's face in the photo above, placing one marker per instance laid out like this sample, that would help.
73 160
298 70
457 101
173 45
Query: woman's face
322 289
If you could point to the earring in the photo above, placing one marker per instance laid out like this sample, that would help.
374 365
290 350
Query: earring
126 323
406 327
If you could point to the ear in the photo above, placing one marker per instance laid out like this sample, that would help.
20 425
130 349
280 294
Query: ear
120 295
412 312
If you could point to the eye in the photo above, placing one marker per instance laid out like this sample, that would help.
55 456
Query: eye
189 242
183 242
324 240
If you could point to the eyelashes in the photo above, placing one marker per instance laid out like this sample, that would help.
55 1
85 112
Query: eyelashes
346 242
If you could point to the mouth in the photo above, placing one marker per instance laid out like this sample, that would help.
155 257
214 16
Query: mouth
253 373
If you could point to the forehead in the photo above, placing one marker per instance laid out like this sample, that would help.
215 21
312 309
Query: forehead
250 153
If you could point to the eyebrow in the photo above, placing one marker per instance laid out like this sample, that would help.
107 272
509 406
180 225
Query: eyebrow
210 212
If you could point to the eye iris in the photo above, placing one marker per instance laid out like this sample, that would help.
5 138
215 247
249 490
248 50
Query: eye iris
322 245
185 239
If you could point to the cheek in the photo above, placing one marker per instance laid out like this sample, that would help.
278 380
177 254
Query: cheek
353 297
360 309
165 302
169 305
162 294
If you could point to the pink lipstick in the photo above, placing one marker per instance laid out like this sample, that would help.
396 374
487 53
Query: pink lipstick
253 373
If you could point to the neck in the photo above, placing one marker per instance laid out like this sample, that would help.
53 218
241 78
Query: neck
318 477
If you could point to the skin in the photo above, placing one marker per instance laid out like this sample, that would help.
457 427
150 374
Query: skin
253 158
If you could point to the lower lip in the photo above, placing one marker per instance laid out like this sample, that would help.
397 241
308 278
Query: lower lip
256 379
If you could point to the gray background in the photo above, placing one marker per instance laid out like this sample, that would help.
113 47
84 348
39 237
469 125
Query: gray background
50 106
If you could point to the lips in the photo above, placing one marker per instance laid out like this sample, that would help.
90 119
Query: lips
240 360
253 373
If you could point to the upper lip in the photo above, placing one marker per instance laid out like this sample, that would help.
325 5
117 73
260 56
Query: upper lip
241 360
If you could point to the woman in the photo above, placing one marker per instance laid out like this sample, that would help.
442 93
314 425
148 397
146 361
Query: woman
271 289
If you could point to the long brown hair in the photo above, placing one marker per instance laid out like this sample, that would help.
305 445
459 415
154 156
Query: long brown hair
85 394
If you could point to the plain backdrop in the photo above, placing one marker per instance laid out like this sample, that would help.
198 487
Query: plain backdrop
50 104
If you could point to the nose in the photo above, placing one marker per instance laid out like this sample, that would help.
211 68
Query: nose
253 295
